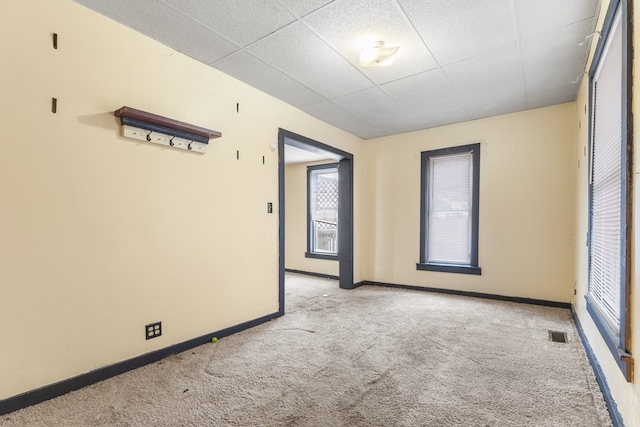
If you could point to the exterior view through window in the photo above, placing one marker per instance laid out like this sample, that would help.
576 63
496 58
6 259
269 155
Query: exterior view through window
323 209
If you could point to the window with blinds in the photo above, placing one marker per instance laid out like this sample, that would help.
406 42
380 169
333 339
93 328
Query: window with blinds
607 179
449 215
449 219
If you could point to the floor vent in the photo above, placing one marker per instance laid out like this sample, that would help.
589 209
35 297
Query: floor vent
556 336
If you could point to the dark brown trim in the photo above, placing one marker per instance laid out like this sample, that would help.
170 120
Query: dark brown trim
627 78
628 361
166 122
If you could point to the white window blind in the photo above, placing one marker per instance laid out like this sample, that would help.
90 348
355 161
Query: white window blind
449 212
606 180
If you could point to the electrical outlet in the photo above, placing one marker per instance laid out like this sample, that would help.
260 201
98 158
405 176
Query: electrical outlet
153 330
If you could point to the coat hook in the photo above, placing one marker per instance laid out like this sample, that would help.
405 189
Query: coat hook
189 146
171 141
149 136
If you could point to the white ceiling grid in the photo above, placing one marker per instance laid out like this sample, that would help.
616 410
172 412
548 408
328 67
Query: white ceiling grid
459 60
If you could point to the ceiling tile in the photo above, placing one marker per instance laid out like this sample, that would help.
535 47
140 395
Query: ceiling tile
373 104
492 78
296 51
251 70
349 25
331 113
557 95
538 16
482 57
424 94
152 18
455 30
302 8
423 122
504 102
242 22
554 59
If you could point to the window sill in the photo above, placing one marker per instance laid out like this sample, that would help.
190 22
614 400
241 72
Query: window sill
623 359
450 268
321 256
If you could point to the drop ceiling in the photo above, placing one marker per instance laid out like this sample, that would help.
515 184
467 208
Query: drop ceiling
459 60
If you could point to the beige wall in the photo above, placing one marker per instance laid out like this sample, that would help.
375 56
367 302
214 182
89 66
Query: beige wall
296 223
526 231
101 234
626 395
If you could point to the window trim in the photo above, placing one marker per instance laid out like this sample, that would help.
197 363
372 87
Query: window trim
309 253
618 344
473 267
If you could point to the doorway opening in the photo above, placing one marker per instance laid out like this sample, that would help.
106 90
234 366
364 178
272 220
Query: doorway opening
292 142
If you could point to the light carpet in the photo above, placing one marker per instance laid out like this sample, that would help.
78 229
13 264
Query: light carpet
367 357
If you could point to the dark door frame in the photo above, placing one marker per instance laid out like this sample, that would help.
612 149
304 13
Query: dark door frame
345 205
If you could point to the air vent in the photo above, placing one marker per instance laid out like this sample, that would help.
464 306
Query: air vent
556 336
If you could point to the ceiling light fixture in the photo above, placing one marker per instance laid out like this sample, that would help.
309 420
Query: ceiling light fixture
378 55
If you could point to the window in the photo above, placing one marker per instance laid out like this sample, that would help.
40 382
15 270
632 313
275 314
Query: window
608 189
322 208
449 210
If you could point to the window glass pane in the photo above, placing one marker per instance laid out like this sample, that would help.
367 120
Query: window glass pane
323 191
450 202
606 181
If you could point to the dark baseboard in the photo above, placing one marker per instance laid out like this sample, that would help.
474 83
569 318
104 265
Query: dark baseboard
309 273
353 285
520 300
58 389
357 285
616 417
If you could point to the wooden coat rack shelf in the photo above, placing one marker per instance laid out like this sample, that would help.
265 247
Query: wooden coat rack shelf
142 125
